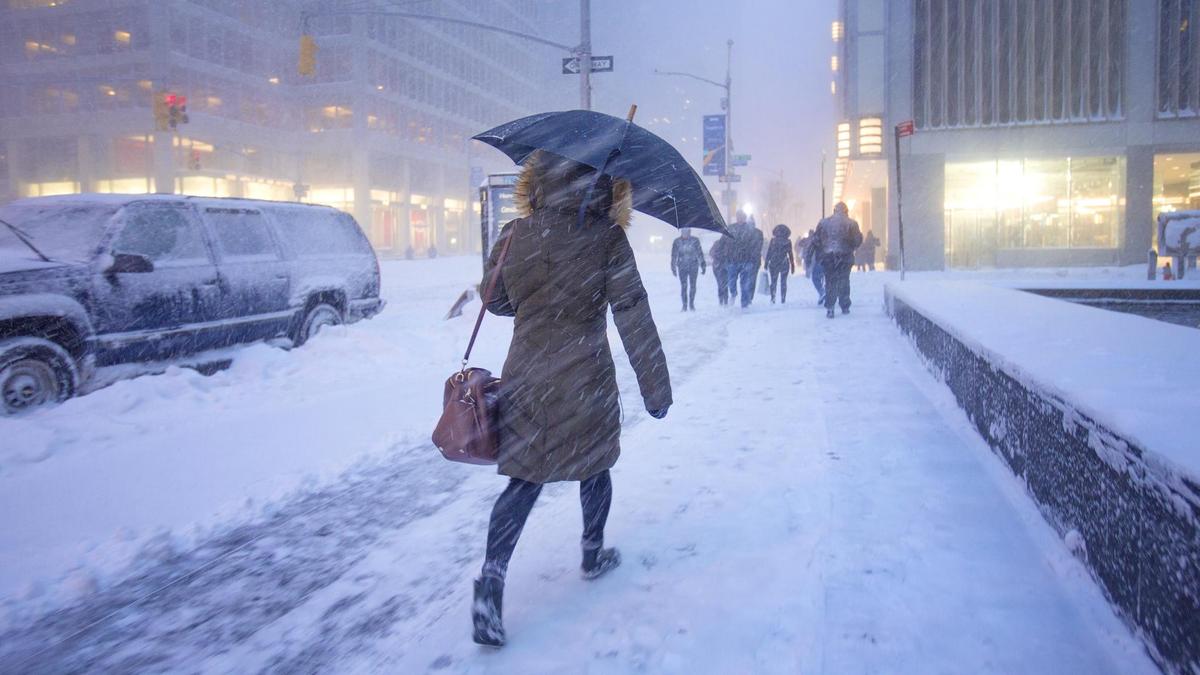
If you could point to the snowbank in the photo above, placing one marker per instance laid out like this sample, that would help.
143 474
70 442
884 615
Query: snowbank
1095 411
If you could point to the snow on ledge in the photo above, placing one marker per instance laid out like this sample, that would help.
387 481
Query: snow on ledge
1139 376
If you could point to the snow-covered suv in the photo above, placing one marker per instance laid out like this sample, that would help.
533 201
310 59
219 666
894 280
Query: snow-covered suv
97 280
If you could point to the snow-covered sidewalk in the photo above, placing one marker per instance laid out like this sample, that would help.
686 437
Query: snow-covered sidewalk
814 502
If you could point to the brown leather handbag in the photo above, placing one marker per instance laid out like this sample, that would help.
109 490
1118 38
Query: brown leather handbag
468 429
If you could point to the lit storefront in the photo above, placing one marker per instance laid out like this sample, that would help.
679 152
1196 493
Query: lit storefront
995 208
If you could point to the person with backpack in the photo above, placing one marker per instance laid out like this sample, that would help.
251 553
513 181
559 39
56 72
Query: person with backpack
719 252
837 238
687 260
780 261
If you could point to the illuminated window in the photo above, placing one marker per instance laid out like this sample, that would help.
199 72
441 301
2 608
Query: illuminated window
833 63
833 87
838 31
870 136
1057 203
843 139
121 37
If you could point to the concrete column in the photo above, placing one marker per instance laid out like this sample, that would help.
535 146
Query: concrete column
403 233
164 162
360 177
1139 204
437 212
924 213
87 170
16 164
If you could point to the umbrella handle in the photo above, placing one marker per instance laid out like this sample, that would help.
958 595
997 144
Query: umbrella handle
632 112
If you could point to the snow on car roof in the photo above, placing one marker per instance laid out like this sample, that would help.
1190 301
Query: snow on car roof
122 199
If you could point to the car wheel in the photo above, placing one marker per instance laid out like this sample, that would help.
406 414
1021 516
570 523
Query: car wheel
316 318
34 372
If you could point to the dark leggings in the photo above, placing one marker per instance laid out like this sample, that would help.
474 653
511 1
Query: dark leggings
512 510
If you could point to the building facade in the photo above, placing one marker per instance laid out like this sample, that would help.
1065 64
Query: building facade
1048 132
381 129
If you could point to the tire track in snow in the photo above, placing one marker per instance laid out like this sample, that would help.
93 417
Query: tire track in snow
173 608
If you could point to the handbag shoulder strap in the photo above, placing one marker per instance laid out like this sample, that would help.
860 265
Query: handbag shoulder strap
487 295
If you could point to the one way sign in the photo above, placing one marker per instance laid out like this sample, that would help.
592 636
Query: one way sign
600 64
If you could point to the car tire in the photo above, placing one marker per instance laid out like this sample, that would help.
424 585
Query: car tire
317 317
33 373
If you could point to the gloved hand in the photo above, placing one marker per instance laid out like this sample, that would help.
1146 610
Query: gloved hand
704 271
674 274
659 414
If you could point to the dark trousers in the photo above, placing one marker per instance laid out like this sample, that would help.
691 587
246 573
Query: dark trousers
719 273
837 279
512 510
779 280
687 286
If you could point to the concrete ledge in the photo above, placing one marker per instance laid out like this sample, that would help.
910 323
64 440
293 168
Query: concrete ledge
1129 514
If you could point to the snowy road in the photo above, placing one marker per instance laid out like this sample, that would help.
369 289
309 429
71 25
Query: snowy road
814 502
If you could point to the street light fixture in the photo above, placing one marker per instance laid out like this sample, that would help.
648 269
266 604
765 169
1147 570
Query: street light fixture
729 194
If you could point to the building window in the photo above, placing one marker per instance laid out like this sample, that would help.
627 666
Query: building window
838 31
1179 58
1176 185
870 136
978 63
1055 202
843 139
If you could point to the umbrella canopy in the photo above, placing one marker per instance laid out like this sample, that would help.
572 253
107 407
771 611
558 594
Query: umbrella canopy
664 184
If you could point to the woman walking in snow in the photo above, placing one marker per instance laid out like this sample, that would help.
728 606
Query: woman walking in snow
560 413
780 261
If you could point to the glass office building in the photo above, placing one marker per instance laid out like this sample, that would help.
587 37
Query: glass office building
1047 133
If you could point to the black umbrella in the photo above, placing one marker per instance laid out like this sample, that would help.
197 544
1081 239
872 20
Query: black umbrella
664 184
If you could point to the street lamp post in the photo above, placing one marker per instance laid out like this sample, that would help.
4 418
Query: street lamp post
729 194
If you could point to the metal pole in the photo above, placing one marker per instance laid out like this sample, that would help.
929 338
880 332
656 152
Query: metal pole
822 185
585 54
899 206
730 200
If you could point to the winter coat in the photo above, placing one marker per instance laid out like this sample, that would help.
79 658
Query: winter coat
866 253
687 254
779 255
560 409
837 235
747 245
719 252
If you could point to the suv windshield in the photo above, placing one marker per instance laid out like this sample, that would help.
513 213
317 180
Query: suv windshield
65 232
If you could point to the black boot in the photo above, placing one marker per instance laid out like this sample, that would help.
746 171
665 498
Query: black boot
486 612
600 561
829 313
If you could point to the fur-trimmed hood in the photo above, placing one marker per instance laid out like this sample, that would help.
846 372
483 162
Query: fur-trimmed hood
547 181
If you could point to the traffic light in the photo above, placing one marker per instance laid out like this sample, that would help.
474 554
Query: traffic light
308 56
194 160
176 110
162 114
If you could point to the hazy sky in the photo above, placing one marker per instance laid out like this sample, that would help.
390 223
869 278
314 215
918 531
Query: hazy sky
783 111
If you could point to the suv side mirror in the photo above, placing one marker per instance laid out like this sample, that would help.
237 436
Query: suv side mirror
130 263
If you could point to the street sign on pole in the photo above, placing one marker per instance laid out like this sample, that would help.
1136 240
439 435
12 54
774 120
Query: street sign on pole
714 145
740 160
906 128
730 178
600 64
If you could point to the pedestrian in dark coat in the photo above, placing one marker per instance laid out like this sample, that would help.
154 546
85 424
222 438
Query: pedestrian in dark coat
560 410
836 239
746 258
780 261
687 260
812 265
719 252
865 256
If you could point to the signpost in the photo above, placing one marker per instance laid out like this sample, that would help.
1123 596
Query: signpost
714 145
730 178
600 64
906 128
740 160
